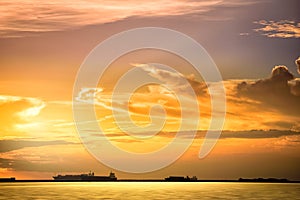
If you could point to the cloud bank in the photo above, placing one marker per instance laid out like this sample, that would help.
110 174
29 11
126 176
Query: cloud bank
19 18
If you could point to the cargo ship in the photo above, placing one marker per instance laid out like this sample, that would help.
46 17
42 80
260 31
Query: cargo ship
85 177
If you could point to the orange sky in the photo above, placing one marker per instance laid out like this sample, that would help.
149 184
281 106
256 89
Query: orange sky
41 55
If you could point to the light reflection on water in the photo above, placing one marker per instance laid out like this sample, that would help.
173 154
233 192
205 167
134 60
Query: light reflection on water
148 190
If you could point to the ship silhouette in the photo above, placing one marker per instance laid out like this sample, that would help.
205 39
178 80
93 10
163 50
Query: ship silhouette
85 177
181 179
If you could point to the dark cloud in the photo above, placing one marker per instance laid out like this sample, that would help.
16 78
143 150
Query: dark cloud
256 134
251 134
279 91
10 145
17 164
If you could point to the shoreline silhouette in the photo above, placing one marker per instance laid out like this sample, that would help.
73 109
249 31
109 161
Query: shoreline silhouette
240 180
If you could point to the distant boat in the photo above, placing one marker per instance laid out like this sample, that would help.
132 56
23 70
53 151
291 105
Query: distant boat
265 180
85 177
181 179
11 179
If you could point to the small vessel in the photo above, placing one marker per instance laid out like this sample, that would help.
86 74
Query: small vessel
85 177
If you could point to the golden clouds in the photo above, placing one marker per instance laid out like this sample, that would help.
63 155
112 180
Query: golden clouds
269 103
17 110
279 29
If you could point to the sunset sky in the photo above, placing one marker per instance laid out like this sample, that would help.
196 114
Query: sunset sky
255 45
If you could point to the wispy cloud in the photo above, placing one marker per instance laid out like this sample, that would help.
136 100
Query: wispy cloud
244 34
279 29
19 18
175 80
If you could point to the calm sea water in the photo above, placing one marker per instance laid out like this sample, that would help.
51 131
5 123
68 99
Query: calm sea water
146 190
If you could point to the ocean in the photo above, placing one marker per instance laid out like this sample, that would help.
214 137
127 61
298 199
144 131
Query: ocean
148 190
